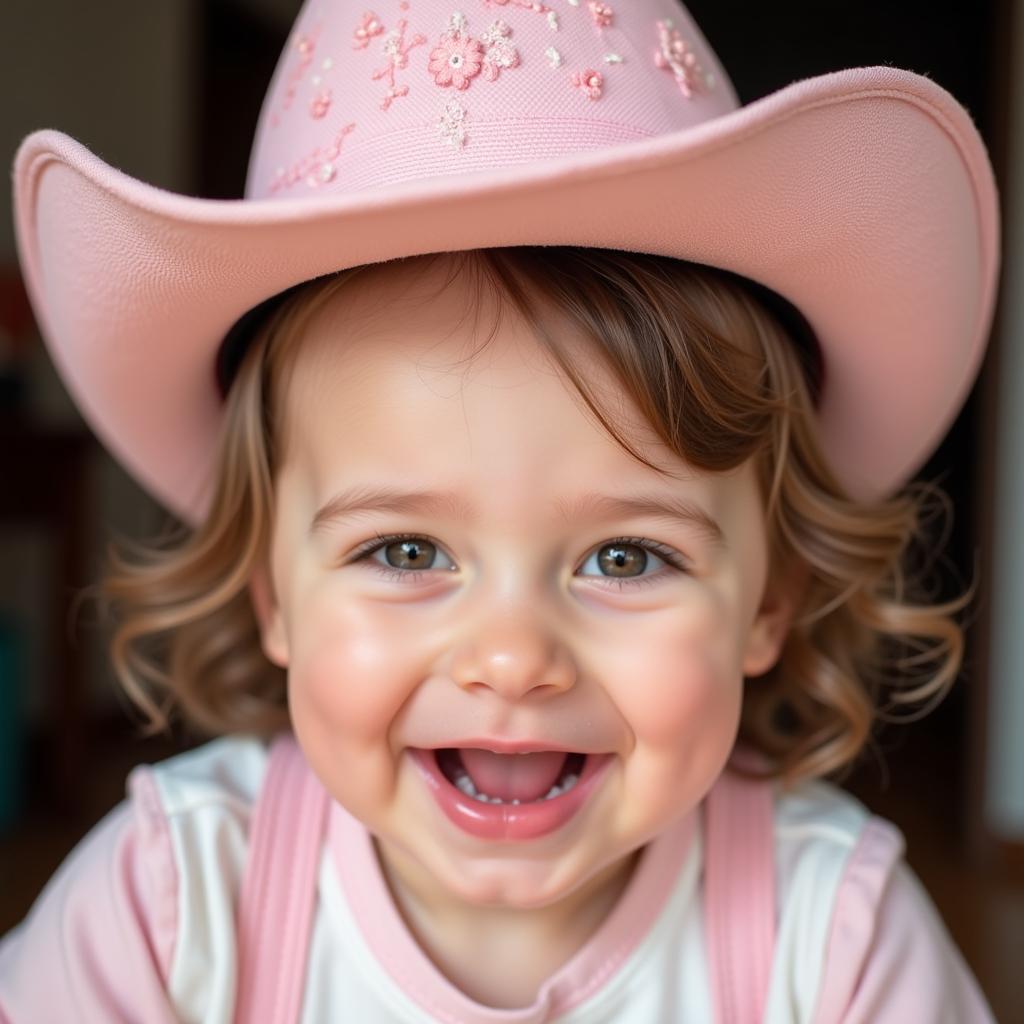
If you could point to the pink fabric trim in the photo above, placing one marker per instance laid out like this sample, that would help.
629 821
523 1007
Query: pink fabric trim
878 848
154 836
279 888
85 952
739 893
890 958
387 935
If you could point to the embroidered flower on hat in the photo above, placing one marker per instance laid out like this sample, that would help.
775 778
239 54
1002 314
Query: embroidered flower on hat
458 57
452 127
369 27
396 49
530 5
590 81
325 66
675 53
315 168
602 14
500 52
303 43
320 103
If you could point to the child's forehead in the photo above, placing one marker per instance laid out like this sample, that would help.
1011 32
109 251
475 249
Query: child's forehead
429 389
503 443
417 366
402 307
404 328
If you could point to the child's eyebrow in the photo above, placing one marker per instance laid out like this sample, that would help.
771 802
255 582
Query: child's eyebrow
668 507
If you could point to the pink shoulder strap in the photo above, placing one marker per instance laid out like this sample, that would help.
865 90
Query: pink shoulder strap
739 895
274 920
279 888
867 875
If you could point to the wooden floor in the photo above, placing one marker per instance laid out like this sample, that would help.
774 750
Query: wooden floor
984 912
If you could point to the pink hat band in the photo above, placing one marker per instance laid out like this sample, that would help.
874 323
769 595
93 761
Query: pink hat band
427 90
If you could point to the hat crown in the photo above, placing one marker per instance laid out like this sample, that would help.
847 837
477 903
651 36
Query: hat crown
415 89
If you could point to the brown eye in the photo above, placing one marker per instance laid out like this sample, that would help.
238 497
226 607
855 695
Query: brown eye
625 563
402 557
410 554
622 560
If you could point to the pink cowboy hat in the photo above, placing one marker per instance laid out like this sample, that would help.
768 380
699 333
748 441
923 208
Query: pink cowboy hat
864 197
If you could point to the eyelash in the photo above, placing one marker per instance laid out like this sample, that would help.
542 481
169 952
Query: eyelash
410 576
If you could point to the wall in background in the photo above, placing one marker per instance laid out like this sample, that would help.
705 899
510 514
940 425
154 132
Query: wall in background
1005 774
120 77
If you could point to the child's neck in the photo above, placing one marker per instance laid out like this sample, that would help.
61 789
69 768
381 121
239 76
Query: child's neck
499 956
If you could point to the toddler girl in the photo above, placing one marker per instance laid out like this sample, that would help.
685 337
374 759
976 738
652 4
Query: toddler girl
541 435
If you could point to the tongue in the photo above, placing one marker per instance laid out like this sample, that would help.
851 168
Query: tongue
513 776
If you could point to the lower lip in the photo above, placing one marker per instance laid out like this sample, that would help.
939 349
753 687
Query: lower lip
509 821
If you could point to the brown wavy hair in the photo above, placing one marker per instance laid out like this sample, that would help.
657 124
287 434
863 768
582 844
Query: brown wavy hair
716 369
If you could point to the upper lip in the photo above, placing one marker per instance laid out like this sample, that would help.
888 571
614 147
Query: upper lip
499 745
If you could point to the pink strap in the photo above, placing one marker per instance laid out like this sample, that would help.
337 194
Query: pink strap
279 887
274 921
855 917
739 895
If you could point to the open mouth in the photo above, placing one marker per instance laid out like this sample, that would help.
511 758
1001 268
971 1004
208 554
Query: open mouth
539 800
450 763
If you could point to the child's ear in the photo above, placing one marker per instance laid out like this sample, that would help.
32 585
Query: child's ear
272 634
782 596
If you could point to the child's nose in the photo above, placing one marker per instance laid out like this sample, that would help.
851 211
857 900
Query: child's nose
514 654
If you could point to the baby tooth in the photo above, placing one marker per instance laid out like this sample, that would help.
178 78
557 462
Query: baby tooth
465 784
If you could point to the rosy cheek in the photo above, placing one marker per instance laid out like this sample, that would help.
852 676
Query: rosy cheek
332 659
679 689
684 707
347 682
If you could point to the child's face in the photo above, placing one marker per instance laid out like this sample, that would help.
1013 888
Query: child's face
516 628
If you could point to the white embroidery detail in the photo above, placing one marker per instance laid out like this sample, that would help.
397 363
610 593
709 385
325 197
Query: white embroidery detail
553 56
677 55
612 58
452 124
500 52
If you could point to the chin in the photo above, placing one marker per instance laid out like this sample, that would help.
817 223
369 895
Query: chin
512 882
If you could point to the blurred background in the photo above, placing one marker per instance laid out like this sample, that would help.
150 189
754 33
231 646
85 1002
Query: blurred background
169 92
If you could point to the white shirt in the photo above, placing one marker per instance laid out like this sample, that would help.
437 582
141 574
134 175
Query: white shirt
139 922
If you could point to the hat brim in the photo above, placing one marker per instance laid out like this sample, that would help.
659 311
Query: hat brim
864 197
